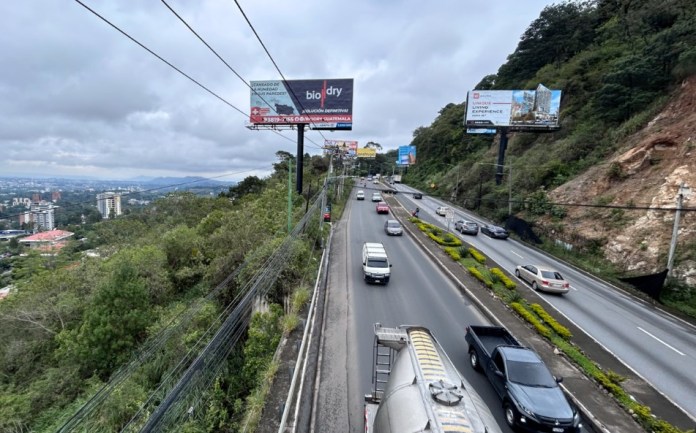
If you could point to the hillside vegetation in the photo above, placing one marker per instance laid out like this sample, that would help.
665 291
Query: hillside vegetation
98 335
627 70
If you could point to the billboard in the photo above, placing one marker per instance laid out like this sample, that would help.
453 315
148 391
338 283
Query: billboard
526 109
407 155
346 147
366 152
323 104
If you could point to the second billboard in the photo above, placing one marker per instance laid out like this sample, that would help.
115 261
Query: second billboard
533 109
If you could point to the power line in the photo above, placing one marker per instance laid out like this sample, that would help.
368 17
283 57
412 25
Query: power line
161 58
551 203
272 60
214 52
171 65
200 38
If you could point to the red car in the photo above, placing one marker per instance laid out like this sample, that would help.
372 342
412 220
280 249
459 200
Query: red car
382 207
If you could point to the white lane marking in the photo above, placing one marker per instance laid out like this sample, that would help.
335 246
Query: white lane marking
661 341
516 254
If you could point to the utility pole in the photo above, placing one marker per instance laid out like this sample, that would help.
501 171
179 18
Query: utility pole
510 191
456 187
289 195
683 191
499 171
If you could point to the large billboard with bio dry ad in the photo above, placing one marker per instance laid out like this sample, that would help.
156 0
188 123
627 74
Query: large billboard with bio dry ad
322 104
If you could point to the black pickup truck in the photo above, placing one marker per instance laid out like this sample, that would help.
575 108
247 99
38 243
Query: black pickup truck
532 399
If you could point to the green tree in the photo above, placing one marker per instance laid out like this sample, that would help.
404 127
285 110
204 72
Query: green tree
250 185
183 248
113 325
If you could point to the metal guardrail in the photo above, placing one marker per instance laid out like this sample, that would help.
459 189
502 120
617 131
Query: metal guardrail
302 355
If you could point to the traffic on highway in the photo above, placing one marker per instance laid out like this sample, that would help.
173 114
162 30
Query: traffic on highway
651 342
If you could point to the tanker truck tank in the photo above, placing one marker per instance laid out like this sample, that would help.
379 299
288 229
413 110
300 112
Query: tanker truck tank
416 388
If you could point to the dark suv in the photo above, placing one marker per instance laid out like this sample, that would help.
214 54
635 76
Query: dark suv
417 195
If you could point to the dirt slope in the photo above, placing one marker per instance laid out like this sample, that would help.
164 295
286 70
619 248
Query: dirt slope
646 172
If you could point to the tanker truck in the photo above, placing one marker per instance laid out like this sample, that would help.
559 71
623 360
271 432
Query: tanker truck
416 388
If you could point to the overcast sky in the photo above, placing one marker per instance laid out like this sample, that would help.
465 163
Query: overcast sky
78 98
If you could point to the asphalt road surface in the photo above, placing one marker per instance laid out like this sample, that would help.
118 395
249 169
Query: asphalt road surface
654 344
417 294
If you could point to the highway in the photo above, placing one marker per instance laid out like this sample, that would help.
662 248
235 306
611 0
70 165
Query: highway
654 344
418 294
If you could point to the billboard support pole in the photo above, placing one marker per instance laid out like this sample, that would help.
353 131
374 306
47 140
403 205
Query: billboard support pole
501 156
300 153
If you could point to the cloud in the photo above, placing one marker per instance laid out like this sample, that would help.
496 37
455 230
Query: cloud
79 98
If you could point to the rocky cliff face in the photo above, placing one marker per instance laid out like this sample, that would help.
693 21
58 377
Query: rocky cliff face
645 173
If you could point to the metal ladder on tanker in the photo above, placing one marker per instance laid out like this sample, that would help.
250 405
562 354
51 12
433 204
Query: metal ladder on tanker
388 341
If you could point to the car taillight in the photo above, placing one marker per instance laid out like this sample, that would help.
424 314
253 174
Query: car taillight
566 285
544 282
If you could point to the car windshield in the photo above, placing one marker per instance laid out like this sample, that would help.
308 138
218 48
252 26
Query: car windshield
393 224
377 263
530 374
551 275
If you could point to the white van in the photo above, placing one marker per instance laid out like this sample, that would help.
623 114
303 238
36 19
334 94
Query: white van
375 263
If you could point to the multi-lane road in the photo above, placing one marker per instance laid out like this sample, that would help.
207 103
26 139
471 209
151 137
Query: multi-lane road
656 345
418 293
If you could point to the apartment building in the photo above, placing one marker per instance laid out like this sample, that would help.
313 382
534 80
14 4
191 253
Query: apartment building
109 203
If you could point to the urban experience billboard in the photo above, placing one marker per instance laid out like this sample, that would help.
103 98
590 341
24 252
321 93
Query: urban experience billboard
407 155
533 109
323 104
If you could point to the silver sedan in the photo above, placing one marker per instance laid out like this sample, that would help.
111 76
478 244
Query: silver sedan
544 279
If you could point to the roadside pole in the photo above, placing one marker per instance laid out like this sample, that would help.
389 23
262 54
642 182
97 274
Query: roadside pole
683 191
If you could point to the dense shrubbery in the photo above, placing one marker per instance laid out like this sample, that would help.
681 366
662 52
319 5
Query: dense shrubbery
500 276
75 321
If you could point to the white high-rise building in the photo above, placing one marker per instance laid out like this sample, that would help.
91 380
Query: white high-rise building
40 216
109 202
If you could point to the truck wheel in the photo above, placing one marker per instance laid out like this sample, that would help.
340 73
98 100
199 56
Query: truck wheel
474 360
510 415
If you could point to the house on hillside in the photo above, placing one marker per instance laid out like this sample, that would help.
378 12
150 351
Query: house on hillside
50 242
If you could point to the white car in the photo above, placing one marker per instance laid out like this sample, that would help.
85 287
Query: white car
393 227
376 196
442 210
360 195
